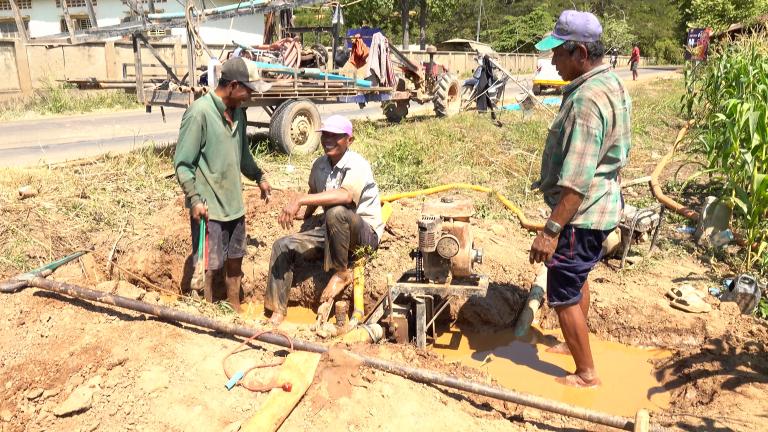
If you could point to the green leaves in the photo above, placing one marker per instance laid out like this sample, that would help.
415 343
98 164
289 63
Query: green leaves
728 97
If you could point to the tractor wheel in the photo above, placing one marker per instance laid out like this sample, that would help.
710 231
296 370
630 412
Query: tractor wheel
536 89
447 98
395 111
293 127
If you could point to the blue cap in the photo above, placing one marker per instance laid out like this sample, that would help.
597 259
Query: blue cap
572 26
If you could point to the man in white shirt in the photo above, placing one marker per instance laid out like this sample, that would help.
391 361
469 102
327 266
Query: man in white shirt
342 183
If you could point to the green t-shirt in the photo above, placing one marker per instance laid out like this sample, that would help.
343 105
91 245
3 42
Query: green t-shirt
210 155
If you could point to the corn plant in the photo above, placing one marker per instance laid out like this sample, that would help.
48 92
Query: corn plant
728 98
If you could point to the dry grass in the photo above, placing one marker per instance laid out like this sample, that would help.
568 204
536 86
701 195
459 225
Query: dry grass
76 204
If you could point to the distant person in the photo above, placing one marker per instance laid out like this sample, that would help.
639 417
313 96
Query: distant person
342 183
211 152
614 53
634 61
587 145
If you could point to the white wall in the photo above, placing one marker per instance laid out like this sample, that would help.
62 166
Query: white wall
45 20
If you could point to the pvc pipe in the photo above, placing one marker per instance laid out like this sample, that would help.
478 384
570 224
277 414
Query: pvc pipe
656 188
535 297
414 374
358 289
210 11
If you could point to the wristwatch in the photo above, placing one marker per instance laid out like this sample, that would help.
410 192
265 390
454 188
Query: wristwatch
552 228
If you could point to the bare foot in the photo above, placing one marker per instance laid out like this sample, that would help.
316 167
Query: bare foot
574 380
340 280
561 348
276 319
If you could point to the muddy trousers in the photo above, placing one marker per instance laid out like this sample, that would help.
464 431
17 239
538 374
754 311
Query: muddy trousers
342 235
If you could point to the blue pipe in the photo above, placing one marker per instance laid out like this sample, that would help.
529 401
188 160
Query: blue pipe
216 10
312 73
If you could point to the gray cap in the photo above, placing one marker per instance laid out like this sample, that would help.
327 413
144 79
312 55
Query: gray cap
245 72
572 26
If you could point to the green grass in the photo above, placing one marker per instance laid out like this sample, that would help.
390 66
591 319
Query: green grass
59 98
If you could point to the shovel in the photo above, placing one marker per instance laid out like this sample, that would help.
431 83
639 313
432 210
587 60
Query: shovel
198 276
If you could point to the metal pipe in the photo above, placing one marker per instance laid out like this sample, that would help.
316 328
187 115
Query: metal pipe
414 374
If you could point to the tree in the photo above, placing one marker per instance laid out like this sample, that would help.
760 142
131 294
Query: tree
617 34
720 14
521 33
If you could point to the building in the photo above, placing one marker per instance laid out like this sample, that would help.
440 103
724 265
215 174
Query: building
46 17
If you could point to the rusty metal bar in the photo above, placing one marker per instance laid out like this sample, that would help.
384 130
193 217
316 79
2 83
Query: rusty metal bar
411 373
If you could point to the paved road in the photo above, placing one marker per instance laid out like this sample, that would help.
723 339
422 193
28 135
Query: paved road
51 140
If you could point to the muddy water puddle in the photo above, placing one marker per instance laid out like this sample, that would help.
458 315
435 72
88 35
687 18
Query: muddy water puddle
524 365
296 314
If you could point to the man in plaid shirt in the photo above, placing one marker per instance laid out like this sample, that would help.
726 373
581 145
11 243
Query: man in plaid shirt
587 145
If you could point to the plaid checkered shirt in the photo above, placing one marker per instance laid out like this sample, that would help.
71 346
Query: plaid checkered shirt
587 145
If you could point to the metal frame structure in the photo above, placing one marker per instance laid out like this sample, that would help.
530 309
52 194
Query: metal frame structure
422 297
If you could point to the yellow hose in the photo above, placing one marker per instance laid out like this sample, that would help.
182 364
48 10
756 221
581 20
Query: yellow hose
524 222
358 289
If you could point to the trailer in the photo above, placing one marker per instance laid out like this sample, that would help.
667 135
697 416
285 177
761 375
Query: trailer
292 101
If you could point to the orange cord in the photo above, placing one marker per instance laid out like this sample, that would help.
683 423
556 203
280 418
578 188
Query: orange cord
259 386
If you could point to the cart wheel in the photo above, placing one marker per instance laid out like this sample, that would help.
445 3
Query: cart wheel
395 111
447 99
293 127
536 89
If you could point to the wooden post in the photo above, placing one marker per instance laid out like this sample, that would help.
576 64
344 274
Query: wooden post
139 72
19 22
22 67
177 55
110 58
68 21
91 13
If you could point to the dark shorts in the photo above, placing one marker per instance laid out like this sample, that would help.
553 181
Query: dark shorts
226 240
633 66
577 252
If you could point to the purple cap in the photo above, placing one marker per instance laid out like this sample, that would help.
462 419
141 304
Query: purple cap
337 124
572 26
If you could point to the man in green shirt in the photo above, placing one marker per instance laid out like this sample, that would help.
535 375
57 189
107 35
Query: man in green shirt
587 145
211 152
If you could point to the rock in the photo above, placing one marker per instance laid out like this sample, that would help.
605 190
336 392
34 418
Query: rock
152 297
498 229
75 380
122 288
78 401
6 415
129 290
34 393
116 361
50 393
153 379
8 385
94 382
